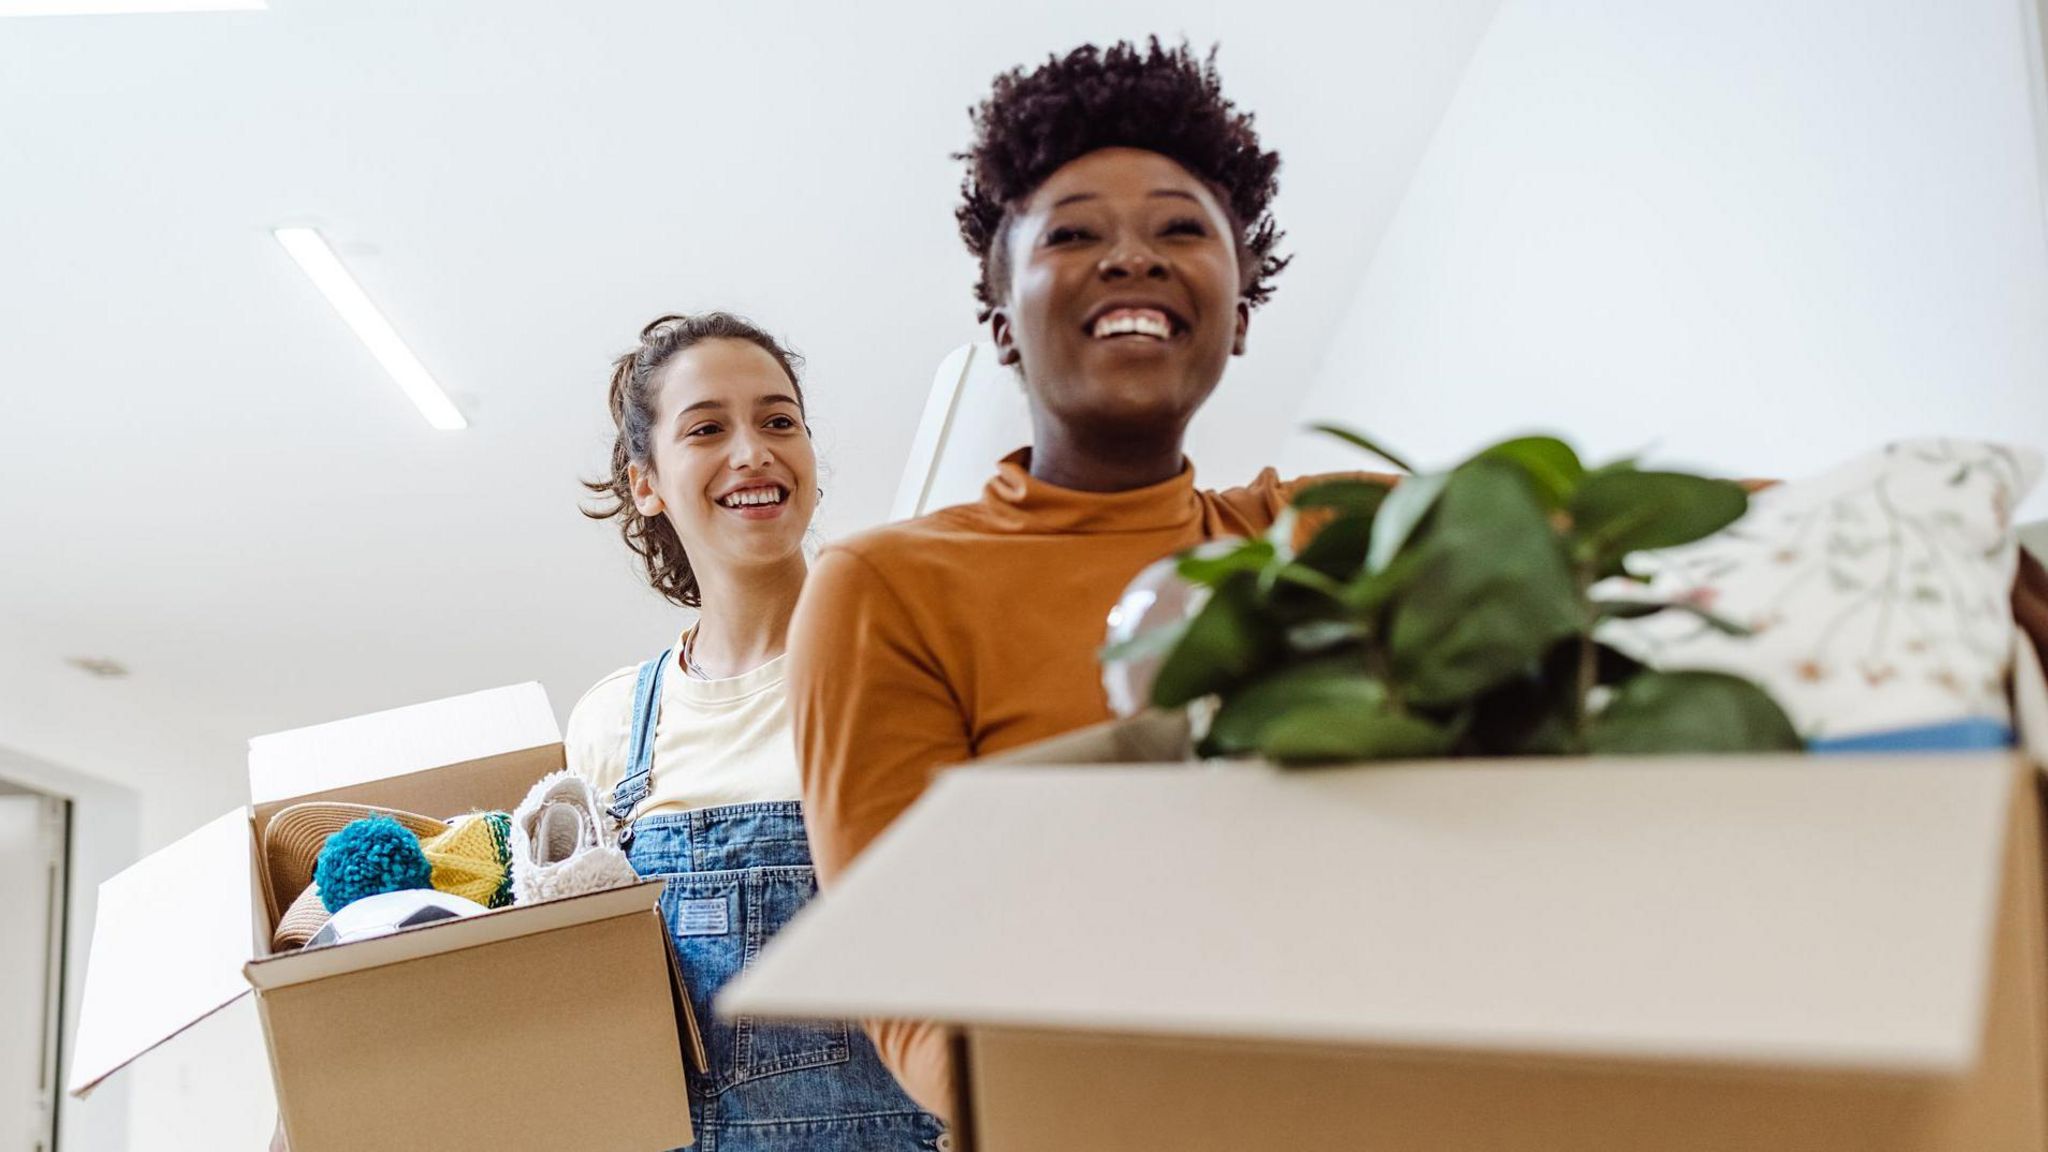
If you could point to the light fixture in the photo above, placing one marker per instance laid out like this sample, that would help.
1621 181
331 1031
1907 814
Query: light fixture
311 251
123 7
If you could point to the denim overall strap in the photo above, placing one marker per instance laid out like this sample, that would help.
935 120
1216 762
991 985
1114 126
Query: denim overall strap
632 788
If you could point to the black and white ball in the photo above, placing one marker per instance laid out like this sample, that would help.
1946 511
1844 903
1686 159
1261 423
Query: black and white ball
389 912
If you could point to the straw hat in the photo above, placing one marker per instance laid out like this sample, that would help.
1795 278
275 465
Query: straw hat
470 856
294 837
300 921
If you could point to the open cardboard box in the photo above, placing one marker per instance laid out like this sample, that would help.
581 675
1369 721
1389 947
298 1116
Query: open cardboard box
545 1027
1784 953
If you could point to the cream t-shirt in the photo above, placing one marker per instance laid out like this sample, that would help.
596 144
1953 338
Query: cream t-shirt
715 742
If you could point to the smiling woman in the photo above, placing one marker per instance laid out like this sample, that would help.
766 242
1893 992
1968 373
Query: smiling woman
1118 204
713 481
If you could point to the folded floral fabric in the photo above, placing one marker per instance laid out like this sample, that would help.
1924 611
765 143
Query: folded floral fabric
1878 596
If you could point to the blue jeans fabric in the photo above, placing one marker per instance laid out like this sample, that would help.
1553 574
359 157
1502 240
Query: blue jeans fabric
735 875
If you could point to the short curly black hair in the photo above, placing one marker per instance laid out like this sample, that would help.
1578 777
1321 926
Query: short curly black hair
1164 100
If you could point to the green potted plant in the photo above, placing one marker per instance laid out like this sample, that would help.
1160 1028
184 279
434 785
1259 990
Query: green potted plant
1456 614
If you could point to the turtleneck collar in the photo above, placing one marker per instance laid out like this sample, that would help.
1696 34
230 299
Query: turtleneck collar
1019 502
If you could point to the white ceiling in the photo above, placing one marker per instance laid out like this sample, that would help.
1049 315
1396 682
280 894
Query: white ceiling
208 479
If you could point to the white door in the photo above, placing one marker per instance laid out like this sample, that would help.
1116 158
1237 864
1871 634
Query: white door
974 415
31 934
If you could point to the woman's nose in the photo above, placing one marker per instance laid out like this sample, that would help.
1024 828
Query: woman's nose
1132 261
750 452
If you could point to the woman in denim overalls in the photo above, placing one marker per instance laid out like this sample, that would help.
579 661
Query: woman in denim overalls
713 452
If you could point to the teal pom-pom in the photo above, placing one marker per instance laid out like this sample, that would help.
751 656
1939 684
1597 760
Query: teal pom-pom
372 855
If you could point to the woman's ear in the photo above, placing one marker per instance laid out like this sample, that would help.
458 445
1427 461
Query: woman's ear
646 500
1006 340
1244 323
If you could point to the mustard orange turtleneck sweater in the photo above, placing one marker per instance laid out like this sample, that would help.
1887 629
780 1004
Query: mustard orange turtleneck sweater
966 632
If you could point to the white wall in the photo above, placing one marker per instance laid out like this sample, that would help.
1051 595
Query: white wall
1753 234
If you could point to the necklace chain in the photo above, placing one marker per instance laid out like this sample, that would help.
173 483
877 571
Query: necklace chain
689 654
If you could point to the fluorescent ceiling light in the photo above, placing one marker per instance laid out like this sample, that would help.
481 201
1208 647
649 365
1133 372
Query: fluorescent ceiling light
122 7
311 251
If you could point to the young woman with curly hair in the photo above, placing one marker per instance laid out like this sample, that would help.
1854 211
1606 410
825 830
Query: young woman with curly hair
1119 205
713 482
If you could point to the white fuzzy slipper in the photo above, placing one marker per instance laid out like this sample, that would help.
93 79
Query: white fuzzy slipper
563 843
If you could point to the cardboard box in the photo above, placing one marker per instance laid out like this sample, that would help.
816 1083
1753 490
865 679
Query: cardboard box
550 1026
1784 953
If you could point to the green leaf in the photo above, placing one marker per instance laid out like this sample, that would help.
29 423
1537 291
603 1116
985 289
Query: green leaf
1338 550
1319 636
1637 609
1660 712
1549 463
1298 576
1627 609
1491 592
1350 437
1367 594
1222 644
1146 645
1249 556
1410 501
1348 496
1328 731
1241 722
1616 513
1625 464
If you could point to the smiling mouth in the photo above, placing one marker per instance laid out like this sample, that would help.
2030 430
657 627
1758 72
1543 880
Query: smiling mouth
1139 323
762 497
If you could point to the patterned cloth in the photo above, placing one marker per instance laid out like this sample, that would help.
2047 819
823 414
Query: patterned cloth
1878 595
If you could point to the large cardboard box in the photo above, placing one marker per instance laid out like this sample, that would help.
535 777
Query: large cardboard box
544 1027
1784 953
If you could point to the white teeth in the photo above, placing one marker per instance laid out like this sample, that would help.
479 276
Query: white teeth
1127 321
751 497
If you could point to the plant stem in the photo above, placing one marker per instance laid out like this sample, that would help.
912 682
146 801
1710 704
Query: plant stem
1589 659
1384 672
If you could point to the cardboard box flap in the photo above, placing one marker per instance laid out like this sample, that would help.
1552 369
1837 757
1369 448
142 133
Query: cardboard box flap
168 944
1777 911
452 935
327 757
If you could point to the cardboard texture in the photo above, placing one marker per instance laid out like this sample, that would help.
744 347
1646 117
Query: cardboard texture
1685 953
500 1031
540 1042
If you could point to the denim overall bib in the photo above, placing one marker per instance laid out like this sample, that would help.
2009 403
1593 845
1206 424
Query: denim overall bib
735 875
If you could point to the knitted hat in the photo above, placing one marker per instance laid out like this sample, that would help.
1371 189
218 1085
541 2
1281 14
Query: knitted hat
294 837
473 858
371 856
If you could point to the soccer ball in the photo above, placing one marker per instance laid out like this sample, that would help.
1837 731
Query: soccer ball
389 912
